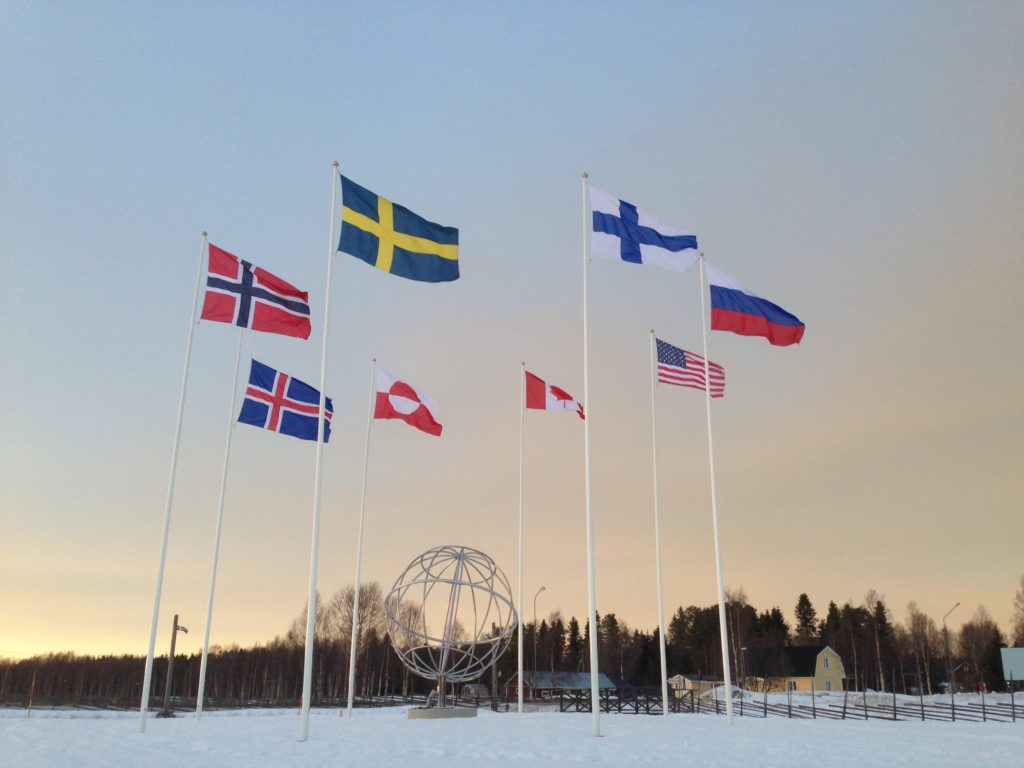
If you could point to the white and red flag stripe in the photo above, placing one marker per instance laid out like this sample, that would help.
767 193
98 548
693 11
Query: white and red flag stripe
397 399
543 396
685 369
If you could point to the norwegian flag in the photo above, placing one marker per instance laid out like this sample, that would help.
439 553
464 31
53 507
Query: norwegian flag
250 297
282 403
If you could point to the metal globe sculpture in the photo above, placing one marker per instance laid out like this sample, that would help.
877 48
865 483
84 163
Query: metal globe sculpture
450 615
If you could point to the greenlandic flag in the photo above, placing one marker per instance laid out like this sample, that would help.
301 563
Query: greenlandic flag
393 238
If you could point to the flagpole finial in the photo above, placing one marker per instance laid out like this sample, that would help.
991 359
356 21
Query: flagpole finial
586 175
334 164
204 233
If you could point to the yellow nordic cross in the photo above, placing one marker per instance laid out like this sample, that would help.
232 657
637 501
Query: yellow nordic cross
388 238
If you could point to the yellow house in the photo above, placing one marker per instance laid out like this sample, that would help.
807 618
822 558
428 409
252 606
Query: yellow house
792 668
811 668
688 682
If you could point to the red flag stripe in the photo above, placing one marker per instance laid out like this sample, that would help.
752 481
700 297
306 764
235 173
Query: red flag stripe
692 375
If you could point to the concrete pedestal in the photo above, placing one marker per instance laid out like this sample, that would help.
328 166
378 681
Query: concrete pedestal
435 713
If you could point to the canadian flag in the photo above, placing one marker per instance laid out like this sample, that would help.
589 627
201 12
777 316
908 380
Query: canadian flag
548 397
397 399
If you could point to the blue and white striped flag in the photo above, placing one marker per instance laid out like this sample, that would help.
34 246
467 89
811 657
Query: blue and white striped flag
621 231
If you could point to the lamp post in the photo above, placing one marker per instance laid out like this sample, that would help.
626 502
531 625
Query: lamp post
743 667
949 663
167 711
535 630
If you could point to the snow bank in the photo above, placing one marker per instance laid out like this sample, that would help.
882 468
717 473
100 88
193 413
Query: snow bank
385 737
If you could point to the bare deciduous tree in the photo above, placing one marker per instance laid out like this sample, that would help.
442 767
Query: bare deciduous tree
1018 616
924 640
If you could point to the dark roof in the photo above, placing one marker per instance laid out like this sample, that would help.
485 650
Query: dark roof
762 662
802 659
575 681
701 678
791 661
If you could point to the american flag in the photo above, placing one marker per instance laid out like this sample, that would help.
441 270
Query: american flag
685 369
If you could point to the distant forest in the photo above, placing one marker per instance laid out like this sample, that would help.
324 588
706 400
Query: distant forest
878 653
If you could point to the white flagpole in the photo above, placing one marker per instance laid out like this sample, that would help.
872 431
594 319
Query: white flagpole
314 550
595 702
148 675
714 507
359 543
657 539
522 438
216 538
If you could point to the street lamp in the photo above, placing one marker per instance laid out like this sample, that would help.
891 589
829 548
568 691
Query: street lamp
535 631
743 666
167 711
949 662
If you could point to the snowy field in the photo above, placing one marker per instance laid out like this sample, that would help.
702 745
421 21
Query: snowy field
385 737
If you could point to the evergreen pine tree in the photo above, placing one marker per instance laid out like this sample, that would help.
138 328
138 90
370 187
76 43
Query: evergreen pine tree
573 646
829 632
806 617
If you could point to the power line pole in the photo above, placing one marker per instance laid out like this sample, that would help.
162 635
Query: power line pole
167 711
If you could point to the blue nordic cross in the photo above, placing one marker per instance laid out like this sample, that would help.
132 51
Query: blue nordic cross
626 226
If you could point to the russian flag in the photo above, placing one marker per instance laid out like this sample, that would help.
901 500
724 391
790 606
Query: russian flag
738 309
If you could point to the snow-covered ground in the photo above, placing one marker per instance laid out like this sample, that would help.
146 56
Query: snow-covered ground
385 737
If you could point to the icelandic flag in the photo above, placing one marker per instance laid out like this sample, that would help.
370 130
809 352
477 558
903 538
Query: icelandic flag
622 231
282 403
740 310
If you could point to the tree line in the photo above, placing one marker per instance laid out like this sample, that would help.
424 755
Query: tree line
878 653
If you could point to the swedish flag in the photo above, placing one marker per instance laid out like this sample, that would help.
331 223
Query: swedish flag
393 238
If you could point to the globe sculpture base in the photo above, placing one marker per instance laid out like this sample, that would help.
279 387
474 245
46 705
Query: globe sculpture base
436 713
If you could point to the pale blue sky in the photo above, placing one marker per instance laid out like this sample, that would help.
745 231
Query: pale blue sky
860 164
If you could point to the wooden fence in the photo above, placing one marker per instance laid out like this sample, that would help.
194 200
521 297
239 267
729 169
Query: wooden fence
854 706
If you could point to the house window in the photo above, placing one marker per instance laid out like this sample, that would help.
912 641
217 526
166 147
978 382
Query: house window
828 685
826 660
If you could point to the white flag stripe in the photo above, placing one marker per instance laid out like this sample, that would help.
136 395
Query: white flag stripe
608 246
387 380
607 203
676 374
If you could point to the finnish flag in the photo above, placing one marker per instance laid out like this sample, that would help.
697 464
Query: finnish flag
621 231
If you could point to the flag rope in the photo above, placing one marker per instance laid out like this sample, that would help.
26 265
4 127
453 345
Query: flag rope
354 642
147 676
657 538
522 607
595 702
314 548
216 539
726 672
